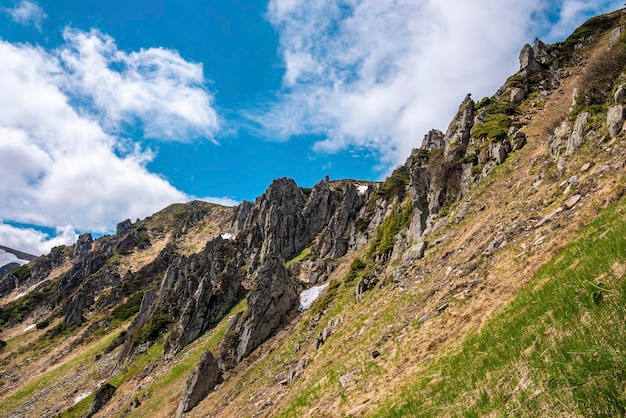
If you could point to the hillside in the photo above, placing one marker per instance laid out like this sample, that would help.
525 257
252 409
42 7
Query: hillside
485 276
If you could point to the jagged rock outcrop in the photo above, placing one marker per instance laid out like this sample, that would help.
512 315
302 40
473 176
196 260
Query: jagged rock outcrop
210 285
101 397
445 170
615 120
200 383
82 246
533 59
459 132
576 139
273 295
433 140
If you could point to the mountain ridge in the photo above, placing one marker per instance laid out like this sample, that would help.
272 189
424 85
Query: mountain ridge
411 264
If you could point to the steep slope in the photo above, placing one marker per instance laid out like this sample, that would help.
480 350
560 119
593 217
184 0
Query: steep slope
407 269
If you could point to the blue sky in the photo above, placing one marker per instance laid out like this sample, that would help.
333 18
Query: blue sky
115 109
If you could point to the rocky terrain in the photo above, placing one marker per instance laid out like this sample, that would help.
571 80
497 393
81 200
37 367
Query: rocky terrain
196 310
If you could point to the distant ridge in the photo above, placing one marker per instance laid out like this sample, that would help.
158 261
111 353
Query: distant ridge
19 254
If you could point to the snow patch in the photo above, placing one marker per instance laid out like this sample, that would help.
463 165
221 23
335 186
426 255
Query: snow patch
19 295
81 397
361 188
307 297
228 235
6 258
28 328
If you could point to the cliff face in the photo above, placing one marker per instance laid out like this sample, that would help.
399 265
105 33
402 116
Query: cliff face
411 261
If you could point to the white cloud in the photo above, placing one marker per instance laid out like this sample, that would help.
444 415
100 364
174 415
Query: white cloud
27 12
379 74
156 86
573 12
224 201
61 159
35 242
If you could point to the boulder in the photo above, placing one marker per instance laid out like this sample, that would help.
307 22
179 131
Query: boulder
620 94
542 52
517 95
615 120
123 226
571 202
101 397
200 383
575 140
528 63
615 35
415 252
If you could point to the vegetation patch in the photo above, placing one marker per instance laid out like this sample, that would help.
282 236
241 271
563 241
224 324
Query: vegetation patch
557 349
128 308
297 258
388 231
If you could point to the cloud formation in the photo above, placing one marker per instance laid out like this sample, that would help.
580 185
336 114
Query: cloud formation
378 75
62 158
155 86
26 13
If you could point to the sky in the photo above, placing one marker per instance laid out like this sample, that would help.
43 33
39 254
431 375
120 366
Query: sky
116 109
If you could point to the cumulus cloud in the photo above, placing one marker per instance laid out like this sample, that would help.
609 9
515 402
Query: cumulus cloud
26 13
377 75
33 241
572 13
155 86
62 160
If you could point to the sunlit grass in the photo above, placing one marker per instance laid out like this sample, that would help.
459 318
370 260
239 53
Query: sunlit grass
558 348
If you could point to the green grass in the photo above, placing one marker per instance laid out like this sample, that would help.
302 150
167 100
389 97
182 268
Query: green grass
557 349
13 401
296 258
183 368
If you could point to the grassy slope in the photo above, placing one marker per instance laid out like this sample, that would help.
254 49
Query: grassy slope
557 349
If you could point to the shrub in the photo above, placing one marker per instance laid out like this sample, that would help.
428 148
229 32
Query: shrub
128 308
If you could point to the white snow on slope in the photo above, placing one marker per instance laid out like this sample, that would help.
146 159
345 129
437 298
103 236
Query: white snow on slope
307 297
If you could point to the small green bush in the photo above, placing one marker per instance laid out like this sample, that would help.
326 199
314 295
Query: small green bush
128 308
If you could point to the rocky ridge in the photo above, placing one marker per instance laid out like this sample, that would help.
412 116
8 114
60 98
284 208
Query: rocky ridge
382 230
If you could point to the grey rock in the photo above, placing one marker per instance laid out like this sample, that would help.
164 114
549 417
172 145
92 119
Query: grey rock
620 94
101 397
548 217
459 132
517 95
74 315
272 296
542 52
495 243
615 35
518 140
571 202
498 151
585 167
209 284
200 383
123 227
615 120
415 252
83 245
433 140
528 63
559 140
575 140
